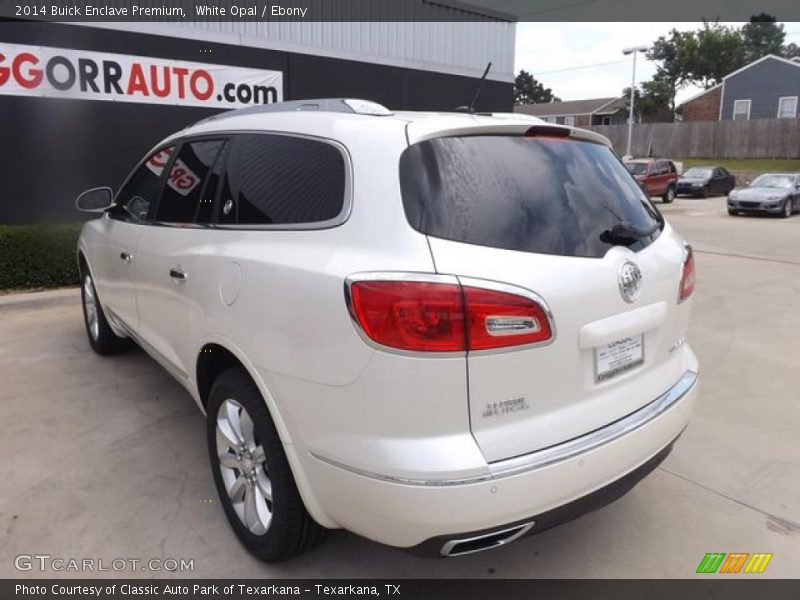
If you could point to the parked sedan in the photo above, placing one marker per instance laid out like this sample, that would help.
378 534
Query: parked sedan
706 181
774 193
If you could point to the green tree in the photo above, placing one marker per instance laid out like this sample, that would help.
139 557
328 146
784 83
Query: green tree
719 50
527 90
652 101
761 36
706 55
791 50
674 52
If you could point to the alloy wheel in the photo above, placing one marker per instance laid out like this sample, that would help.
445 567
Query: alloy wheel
90 307
787 208
242 463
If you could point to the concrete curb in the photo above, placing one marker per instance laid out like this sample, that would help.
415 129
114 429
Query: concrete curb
44 299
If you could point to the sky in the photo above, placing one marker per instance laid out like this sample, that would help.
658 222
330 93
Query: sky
550 51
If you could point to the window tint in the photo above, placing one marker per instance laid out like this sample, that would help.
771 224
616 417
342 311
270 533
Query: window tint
637 168
282 180
542 195
141 190
187 195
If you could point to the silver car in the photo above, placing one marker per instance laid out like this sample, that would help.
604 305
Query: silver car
773 193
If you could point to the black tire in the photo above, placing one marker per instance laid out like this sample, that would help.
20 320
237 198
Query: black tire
733 212
102 338
787 209
291 530
704 192
669 195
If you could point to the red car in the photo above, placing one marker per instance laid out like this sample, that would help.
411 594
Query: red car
657 176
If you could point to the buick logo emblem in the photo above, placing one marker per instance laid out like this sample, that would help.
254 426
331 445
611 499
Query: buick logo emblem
630 282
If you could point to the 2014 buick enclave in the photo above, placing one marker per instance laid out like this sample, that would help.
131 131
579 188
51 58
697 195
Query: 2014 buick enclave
440 331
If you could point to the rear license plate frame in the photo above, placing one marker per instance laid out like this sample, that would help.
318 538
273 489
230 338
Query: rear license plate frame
618 357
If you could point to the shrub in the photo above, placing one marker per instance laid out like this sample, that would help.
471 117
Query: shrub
38 256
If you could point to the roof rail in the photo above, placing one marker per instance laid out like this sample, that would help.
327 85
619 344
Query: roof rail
342 105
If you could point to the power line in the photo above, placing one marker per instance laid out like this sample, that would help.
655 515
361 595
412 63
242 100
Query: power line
606 64
603 64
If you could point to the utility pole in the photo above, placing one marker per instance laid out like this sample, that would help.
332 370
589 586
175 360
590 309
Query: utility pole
633 50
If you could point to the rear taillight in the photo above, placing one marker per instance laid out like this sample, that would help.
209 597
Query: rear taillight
687 277
500 319
410 315
425 316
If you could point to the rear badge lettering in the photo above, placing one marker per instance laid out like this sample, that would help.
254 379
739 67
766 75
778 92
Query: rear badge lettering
505 407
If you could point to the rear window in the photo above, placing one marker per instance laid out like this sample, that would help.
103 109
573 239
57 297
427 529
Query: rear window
544 195
283 180
636 168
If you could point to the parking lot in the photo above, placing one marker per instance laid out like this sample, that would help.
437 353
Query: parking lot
105 458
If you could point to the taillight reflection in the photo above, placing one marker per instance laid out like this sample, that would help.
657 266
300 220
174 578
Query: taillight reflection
687 277
410 315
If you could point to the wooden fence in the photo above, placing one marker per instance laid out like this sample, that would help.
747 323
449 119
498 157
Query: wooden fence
759 138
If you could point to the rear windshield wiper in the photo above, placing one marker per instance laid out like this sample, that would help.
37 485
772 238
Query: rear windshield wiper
626 231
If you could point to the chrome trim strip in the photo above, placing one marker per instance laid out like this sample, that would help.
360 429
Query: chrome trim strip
590 441
553 454
518 532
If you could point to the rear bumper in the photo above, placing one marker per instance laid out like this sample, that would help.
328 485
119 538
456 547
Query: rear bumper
770 207
545 486
688 190
475 541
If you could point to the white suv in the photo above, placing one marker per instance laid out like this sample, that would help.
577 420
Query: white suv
438 331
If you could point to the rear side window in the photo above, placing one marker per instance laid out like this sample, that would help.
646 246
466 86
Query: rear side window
188 195
282 180
544 195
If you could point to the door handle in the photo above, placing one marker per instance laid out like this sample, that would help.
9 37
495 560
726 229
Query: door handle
126 257
178 274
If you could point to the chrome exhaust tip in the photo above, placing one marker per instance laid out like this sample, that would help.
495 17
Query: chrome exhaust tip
486 541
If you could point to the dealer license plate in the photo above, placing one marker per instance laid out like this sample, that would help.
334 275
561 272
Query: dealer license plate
618 357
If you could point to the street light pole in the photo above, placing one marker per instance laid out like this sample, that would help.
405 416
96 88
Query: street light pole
634 50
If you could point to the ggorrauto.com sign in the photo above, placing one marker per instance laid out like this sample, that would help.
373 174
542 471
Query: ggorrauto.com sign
62 73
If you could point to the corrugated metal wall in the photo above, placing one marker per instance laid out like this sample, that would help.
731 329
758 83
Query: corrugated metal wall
459 48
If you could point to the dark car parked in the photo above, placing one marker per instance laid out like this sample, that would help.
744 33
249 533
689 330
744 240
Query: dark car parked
706 181
774 193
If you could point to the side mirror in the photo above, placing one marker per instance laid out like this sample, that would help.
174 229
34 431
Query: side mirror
95 200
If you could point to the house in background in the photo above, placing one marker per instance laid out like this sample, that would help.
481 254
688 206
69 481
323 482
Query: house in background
767 88
579 113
